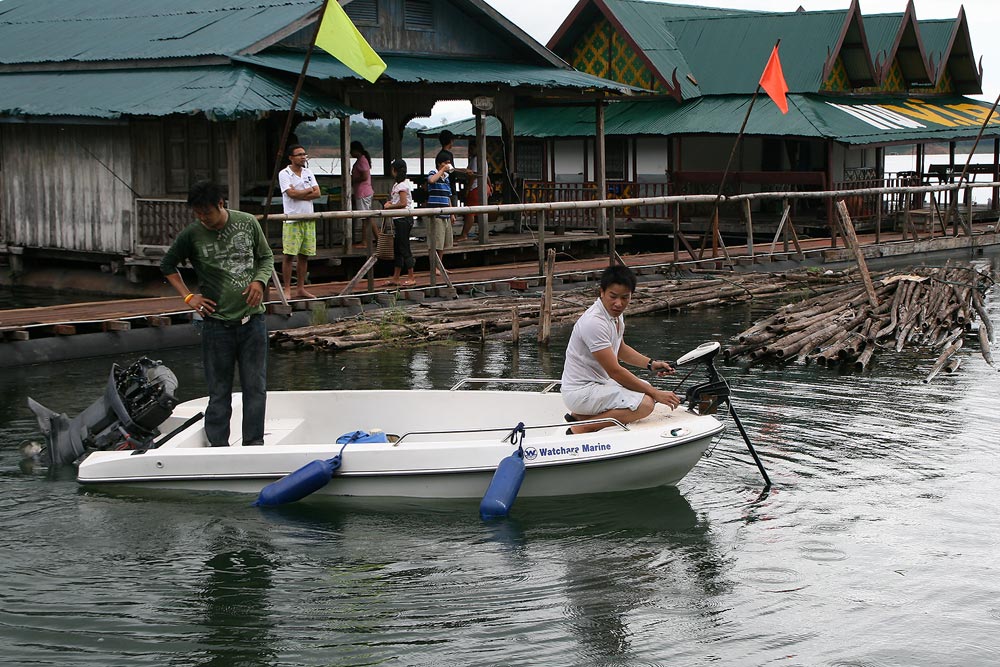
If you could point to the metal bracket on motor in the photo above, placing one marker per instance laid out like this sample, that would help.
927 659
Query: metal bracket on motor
706 397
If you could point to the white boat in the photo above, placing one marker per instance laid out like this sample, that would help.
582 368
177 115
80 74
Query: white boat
443 444
436 444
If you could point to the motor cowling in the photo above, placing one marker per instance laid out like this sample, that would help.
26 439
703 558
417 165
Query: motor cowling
136 400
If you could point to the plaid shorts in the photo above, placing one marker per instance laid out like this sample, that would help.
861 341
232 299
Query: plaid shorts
298 237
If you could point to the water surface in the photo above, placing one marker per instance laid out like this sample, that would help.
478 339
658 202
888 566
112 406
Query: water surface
876 546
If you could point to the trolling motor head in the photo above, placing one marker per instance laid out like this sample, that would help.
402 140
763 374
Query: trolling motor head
705 397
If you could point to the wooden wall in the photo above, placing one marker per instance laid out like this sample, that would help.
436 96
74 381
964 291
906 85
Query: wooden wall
59 187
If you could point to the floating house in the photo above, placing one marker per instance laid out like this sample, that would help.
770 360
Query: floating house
111 109
857 85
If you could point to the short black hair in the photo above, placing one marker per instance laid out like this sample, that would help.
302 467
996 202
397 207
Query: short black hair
446 137
444 156
291 149
205 193
618 274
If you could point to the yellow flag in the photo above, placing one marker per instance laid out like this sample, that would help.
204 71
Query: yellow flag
338 37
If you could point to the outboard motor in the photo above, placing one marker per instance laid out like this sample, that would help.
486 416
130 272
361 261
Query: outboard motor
136 401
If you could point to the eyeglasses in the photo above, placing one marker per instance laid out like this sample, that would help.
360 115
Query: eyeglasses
300 154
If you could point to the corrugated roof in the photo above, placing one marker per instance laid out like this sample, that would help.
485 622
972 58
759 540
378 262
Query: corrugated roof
728 54
869 121
222 92
412 69
881 31
44 31
647 24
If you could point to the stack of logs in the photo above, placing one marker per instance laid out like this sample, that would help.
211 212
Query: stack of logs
929 309
501 316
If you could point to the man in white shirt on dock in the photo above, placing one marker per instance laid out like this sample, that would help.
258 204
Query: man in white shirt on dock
595 385
298 237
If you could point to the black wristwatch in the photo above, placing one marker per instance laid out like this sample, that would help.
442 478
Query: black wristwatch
649 365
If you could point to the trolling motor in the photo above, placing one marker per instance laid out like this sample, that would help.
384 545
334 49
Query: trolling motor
706 397
136 401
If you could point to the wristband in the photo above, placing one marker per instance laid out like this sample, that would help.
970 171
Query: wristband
188 298
649 365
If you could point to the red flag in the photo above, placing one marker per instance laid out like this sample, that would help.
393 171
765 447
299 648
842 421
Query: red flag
773 81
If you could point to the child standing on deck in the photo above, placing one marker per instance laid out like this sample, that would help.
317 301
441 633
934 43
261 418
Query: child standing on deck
440 234
401 198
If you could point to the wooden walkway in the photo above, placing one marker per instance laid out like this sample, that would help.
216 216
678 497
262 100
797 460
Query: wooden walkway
22 325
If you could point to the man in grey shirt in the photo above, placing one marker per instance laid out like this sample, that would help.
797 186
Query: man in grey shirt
595 385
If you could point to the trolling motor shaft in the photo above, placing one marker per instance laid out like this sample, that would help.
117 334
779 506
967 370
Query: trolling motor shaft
706 397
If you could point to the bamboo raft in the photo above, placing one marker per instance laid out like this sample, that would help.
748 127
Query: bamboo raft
929 309
506 316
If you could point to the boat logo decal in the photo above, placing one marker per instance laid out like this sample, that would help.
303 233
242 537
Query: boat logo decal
586 448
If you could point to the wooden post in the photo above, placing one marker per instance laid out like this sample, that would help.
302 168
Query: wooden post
851 238
612 243
878 219
345 183
483 165
515 326
787 211
677 232
545 314
967 223
233 163
365 268
431 251
746 211
541 242
600 173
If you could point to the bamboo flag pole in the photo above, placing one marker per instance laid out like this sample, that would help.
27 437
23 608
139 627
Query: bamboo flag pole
773 82
280 155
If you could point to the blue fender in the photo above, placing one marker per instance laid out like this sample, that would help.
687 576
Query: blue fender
502 492
297 485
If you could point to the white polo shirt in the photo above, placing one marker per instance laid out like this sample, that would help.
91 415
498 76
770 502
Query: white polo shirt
304 181
595 330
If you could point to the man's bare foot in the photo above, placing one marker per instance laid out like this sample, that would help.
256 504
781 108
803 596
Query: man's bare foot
408 283
301 293
459 239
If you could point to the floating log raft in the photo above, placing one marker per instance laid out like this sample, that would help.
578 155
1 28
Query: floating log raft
494 316
929 309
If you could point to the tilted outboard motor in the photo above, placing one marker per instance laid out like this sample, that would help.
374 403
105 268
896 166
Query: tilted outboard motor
136 401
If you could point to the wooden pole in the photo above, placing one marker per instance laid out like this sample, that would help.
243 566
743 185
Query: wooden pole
677 232
612 243
749 221
541 242
545 316
346 191
852 240
600 167
365 268
481 162
515 326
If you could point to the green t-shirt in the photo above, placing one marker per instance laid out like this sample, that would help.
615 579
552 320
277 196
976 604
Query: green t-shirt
226 262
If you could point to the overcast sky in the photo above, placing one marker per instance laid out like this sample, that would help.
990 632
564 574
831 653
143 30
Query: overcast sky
541 18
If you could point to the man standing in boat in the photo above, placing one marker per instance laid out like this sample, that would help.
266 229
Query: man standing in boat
595 385
233 262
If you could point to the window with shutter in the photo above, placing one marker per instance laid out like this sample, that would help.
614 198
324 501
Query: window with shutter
419 14
362 12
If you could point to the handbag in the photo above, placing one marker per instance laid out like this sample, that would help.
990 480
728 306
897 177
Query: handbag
386 240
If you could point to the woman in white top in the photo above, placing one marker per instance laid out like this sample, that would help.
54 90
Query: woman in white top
401 198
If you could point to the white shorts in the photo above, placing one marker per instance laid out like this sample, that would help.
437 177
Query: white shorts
595 398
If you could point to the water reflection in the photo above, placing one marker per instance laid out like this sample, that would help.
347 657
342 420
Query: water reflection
239 629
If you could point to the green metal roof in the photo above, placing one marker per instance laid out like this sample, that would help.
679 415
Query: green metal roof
728 53
936 34
881 31
853 121
647 24
222 92
412 69
47 31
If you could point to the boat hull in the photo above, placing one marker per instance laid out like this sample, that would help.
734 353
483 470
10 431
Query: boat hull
455 458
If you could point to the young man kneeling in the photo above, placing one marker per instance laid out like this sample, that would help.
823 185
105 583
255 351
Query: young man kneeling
595 385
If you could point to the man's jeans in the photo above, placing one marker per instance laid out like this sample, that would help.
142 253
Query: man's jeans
223 347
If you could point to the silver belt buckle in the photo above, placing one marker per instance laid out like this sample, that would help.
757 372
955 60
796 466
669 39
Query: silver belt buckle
244 320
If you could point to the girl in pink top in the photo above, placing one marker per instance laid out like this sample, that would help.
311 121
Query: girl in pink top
361 190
